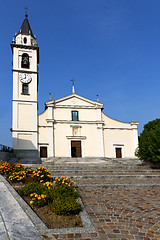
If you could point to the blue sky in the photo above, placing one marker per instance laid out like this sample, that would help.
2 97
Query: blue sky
110 47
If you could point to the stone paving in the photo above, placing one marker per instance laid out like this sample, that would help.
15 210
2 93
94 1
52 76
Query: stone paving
125 211
117 213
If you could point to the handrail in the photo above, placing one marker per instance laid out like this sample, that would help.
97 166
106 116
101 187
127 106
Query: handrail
4 148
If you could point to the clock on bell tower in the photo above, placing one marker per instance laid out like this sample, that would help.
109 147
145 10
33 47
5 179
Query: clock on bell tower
25 88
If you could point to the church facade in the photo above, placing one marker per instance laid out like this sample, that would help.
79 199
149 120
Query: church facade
72 126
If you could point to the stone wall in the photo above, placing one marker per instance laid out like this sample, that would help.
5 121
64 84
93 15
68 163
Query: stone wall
5 156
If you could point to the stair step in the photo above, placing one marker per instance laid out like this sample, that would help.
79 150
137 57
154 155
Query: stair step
119 186
110 176
117 181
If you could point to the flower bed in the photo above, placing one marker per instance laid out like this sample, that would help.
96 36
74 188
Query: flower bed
52 199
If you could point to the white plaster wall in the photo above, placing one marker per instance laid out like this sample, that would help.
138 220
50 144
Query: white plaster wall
89 135
42 118
84 114
124 135
43 135
98 138
112 123
61 141
30 40
24 114
92 146
21 140
121 138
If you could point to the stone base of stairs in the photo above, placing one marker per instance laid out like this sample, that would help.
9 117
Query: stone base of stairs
26 157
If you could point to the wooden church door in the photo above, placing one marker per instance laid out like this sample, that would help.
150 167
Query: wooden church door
76 149
118 152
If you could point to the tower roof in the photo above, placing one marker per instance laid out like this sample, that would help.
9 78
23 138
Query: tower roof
25 28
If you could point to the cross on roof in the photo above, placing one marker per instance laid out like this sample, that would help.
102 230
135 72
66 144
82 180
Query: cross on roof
73 90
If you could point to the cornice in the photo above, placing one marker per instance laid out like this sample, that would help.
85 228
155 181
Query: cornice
74 122
118 128
24 46
24 131
76 137
24 101
24 71
74 106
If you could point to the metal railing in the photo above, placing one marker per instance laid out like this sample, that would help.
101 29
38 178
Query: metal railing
4 148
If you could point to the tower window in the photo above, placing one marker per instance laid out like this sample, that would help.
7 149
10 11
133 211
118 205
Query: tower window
75 116
25 89
25 60
25 40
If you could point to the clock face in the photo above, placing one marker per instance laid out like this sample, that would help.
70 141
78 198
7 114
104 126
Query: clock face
25 78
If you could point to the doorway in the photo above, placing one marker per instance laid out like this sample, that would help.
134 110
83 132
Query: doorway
43 152
118 152
76 149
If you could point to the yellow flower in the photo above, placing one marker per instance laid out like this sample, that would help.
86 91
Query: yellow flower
31 195
31 202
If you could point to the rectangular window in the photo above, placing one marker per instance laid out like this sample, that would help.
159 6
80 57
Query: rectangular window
25 89
75 116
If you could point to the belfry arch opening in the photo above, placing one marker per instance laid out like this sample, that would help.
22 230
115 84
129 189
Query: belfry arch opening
25 60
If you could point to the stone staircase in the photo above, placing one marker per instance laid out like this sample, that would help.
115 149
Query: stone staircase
103 172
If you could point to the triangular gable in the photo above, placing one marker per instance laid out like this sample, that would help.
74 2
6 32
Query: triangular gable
76 100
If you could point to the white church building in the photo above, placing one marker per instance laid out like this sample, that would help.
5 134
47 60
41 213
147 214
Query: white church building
72 126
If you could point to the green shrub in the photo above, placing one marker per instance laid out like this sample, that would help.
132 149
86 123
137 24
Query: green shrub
63 200
32 187
61 191
149 144
65 206
64 191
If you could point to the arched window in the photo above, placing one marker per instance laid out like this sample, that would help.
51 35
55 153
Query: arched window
25 60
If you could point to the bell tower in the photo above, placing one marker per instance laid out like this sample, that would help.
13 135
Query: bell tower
25 88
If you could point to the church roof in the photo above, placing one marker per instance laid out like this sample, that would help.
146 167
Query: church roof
25 28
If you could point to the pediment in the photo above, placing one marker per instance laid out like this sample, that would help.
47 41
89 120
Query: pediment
75 100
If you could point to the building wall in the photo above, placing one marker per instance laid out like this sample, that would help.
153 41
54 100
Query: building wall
24 114
99 134
119 135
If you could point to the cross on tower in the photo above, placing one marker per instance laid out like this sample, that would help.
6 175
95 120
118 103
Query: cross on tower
26 9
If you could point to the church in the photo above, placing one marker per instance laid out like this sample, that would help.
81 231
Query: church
72 126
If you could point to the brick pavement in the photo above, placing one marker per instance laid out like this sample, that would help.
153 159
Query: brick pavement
120 214
117 213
